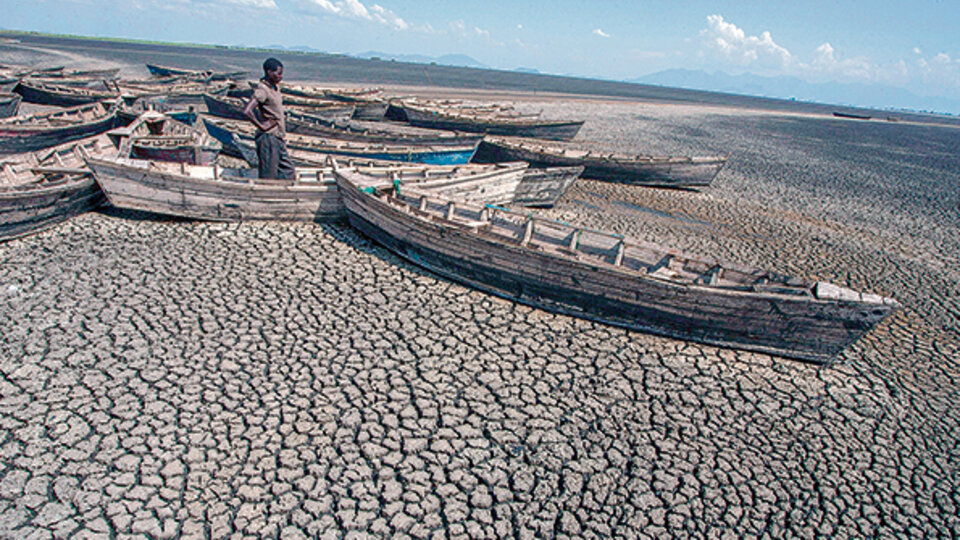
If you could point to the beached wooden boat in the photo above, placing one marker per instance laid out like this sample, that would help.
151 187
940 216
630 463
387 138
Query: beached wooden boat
168 71
9 104
543 187
62 96
174 91
237 133
109 73
228 107
128 113
667 171
33 132
375 132
222 194
368 102
852 116
156 136
611 279
94 84
494 124
40 189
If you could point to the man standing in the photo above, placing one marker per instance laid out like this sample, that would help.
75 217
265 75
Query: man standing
265 110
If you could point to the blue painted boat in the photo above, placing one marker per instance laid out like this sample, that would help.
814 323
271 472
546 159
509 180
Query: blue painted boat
237 140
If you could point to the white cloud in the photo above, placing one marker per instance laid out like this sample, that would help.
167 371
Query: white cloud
385 16
601 33
354 9
724 44
733 44
519 27
459 27
270 4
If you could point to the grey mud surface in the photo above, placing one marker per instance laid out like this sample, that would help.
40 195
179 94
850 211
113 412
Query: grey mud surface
162 377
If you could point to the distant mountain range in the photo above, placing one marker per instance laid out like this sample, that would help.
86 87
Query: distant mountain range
858 95
460 60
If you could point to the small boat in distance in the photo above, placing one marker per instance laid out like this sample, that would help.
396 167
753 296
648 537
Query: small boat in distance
853 116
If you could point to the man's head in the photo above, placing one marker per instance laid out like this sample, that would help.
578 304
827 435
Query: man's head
272 70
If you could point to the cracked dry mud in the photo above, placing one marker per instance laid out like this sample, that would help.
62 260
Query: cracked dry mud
162 377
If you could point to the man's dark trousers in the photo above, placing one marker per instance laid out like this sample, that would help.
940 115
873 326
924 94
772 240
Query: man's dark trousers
272 153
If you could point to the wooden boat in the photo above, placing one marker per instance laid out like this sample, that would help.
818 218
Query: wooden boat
128 113
673 171
156 136
542 188
853 116
62 96
33 132
94 84
494 124
241 135
538 188
101 74
40 189
9 104
611 279
320 101
368 102
220 194
228 107
167 71
374 132
174 95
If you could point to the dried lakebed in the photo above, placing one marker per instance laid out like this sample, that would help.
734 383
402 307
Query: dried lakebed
166 377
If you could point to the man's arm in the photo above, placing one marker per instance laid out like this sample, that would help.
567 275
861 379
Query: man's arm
248 111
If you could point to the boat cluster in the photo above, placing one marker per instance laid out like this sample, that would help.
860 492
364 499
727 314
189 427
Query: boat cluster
444 184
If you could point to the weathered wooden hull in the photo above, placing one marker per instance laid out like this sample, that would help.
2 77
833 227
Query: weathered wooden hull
15 139
338 113
223 109
86 74
125 116
9 105
61 97
558 131
304 125
194 155
167 71
30 209
809 329
131 184
233 108
852 116
369 110
673 172
542 188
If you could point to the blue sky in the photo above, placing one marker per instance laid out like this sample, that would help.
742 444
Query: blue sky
913 45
